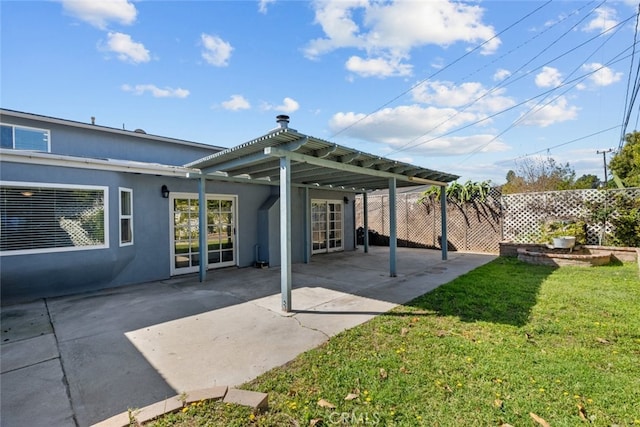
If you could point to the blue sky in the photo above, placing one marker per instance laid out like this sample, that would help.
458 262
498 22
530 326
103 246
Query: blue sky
470 88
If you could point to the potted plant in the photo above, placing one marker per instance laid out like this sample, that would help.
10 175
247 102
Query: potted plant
563 233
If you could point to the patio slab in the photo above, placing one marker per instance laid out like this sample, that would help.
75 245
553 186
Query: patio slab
134 346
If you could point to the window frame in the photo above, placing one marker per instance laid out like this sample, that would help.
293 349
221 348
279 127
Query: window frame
327 230
29 128
122 216
30 185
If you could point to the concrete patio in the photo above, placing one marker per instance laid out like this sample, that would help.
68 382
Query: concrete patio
77 360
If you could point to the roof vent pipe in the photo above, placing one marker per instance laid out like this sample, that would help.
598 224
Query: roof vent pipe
283 121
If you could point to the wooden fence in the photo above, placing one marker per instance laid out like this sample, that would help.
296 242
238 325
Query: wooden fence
479 226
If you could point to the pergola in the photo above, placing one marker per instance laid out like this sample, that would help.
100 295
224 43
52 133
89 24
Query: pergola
288 158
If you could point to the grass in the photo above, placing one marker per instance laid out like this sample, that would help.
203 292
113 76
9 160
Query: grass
494 346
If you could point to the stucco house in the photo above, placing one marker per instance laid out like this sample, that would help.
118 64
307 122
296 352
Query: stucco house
86 207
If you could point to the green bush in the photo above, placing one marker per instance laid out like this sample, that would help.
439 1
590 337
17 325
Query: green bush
627 222
552 229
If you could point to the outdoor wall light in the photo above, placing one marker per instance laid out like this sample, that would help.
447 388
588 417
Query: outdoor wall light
165 192
346 200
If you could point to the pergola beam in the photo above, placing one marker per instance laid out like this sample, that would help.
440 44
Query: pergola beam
277 152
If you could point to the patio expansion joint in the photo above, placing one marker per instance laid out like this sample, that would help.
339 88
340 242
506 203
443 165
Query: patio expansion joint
33 364
62 367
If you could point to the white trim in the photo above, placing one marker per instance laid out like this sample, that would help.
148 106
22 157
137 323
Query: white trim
48 159
342 218
194 269
63 186
121 216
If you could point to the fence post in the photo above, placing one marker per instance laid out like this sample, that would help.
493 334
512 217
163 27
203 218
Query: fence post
443 221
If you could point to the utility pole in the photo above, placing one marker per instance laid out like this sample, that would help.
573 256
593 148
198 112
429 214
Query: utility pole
604 159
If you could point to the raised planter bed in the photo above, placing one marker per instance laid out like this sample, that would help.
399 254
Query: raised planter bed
587 255
581 257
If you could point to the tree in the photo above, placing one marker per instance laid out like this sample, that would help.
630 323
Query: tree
537 174
586 182
626 163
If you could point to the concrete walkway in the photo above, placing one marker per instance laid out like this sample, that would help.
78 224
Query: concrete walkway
77 360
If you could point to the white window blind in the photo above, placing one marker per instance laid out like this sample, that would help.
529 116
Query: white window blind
46 217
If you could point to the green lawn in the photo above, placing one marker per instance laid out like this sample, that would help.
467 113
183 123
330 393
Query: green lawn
494 346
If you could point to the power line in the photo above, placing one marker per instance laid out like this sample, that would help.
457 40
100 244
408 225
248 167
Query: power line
566 83
629 101
507 81
538 104
567 142
616 27
460 58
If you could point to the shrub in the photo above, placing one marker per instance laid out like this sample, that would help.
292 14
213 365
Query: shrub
551 229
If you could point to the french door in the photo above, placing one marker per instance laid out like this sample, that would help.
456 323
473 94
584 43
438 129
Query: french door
185 229
326 226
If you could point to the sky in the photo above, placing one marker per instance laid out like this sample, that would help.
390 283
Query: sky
472 88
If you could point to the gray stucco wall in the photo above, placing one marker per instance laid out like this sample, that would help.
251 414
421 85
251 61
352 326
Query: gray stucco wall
58 273
32 276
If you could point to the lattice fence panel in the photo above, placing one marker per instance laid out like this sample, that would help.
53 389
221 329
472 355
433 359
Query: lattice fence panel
524 213
480 226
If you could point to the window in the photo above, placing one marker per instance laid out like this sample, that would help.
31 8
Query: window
24 138
39 218
126 217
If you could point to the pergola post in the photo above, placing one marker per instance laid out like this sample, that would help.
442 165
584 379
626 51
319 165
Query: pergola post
443 221
285 232
365 219
202 228
393 235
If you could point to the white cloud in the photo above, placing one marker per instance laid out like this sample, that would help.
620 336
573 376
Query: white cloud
377 67
391 30
399 125
472 95
288 105
155 91
262 5
457 145
237 102
127 49
408 127
605 18
501 74
216 51
100 12
602 76
549 77
555 112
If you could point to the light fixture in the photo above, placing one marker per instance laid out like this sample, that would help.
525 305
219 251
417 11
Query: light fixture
346 200
165 192
27 193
